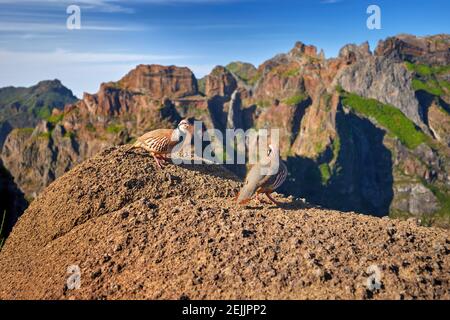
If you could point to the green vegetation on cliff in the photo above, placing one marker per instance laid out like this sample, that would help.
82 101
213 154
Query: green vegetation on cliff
429 78
325 173
431 86
90 127
291 73
295 99
54 119
45 135
245 71
24 107
114 128
425 70
24 131
201 83
69 134
388 117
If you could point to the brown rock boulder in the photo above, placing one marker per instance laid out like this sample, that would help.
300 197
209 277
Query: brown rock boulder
159 81
136 233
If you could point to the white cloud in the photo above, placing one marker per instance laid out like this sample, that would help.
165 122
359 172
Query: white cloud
99 5
59 27
68 57
109 5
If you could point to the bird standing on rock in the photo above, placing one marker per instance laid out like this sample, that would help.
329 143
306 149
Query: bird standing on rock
258 181
160 142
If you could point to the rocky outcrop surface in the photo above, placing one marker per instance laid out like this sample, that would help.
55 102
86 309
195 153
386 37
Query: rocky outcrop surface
138 233
160 81
318 127
427 50
352 53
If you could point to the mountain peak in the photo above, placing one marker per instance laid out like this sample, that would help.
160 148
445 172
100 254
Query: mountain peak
54 82
353 52
160 81
301 49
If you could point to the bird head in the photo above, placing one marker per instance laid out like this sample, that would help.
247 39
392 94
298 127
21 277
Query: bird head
185 127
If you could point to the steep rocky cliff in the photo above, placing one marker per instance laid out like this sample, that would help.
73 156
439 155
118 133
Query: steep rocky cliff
383 79
366 132
25 107
160 81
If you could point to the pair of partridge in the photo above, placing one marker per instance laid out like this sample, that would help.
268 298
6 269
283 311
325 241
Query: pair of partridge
161 142
260 182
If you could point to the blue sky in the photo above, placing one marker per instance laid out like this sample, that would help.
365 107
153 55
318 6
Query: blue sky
117 35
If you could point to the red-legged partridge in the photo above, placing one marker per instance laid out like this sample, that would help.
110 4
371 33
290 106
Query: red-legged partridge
259 181
161 142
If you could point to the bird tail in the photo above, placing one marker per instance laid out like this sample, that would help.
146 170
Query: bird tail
132 146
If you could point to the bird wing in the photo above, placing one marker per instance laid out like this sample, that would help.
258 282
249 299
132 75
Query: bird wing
155 133
159 140
251 184
272 182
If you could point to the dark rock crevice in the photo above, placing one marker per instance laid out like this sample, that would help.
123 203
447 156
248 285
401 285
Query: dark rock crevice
12 201
360 179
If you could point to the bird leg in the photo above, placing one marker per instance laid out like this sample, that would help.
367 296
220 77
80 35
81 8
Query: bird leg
272 199
158 162
165 158
261 200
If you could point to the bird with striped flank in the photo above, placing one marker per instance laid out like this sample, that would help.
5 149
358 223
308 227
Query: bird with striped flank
260 182
160 142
